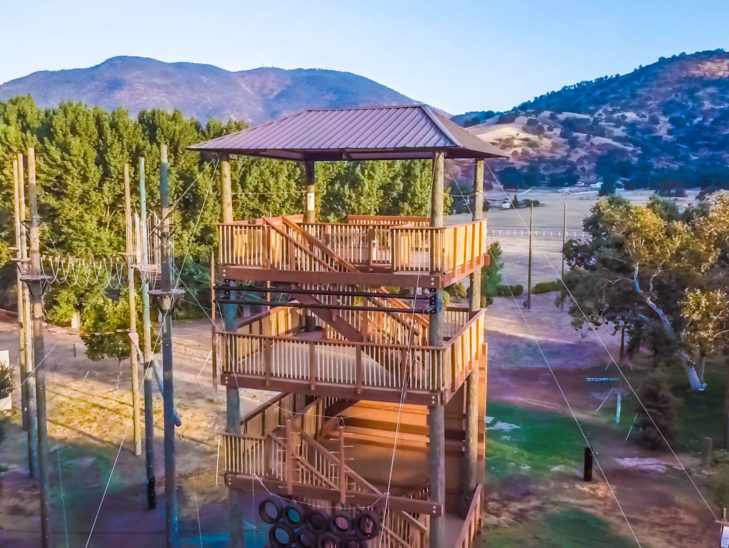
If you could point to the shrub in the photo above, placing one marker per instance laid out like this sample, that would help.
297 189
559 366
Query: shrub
457 291
6 380
546 287
509 290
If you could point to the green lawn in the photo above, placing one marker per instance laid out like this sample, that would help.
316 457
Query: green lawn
542 441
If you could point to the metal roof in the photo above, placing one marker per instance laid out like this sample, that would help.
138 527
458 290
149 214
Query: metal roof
370 133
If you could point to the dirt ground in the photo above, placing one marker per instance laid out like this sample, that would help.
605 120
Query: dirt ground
535 495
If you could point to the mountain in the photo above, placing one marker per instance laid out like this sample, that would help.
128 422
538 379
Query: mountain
665 125
202 91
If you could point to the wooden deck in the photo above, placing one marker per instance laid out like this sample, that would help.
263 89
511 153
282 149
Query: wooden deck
385 251
427 375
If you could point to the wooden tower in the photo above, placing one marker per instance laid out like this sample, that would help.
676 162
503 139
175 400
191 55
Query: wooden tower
378 396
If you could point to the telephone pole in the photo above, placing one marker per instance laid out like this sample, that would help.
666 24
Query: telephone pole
25 354
35 282
166 301
564 240
529 272
147 347
132 294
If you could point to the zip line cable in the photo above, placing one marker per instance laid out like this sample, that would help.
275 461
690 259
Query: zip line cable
569 406
620 370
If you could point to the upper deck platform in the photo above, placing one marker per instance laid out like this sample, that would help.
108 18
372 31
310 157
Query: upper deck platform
365 251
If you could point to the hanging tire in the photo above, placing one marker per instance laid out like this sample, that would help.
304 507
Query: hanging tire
281 536
352 541
269 510
293 516
305 538
327 540
316 521
367 525
340 523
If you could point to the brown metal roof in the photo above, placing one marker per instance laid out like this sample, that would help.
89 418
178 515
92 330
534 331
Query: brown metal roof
371 133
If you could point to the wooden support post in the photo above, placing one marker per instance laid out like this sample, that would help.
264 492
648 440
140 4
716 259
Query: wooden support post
35 284
132 295
437 472
167 304
310 209
436 414
25 353
529 268
232 395
342 465
230 320
471 472
147 350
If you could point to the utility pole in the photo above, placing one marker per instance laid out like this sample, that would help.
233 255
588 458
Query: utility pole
529 272
564 240
166 301
473 381
25 354
35 282
27 320
147 347
131 290
21 335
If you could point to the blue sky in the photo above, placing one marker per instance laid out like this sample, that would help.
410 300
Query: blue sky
456 55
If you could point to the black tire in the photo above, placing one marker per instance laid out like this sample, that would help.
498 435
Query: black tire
352 541
305 538
367 525
281 536
265 515
327 540
316 521
289 511
341 523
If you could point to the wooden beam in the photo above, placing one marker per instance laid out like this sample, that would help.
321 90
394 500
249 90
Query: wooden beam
303 386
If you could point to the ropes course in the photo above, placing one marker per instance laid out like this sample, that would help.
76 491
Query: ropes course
104 273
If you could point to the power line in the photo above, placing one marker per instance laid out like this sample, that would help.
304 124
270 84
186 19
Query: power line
569 406
622 374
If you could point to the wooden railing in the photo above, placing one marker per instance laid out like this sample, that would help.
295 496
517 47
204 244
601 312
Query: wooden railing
397 246
443 249
472 525
389 220
281 320
377 365
454 318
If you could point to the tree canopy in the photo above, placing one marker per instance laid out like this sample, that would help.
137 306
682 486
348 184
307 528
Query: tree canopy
80 156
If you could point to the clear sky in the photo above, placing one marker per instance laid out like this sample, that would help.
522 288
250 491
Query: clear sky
455 55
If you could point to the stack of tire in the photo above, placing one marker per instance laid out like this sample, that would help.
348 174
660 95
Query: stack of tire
293 526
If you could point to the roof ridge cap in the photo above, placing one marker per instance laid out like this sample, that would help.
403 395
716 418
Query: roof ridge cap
439 125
